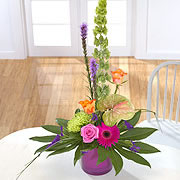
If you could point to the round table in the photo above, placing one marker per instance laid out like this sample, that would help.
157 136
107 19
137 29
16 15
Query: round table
16 150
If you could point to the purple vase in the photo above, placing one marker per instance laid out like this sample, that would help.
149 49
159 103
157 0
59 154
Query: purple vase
88 164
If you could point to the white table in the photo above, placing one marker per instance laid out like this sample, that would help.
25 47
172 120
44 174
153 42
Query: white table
16 150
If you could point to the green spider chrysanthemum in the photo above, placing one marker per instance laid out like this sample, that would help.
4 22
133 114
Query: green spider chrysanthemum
80 119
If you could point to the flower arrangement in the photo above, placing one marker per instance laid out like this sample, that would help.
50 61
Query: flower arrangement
106 121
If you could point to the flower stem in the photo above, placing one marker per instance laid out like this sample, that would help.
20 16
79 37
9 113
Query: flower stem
95 88
87 65
117 87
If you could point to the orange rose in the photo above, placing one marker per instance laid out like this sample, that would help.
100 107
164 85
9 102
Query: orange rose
88 106
118 75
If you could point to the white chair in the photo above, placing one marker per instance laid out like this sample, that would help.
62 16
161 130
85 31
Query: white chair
169 130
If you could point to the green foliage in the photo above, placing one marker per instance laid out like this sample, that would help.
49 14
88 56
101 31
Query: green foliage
68 143
89 146
43 138
62 122
52 129
63 150
132 156
77 111
102 154
146 148
65 141
103 90
133 121
116 159
125 143
137 133
41 149
77 154
101 51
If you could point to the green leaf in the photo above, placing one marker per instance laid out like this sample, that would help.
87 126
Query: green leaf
62 122
41 149
52 128
124 143
146 148
66 149
43 138
59 146
116 160
78 110
137 133
135 118
90 146
102 155
78 154
133 121
75 136
132 156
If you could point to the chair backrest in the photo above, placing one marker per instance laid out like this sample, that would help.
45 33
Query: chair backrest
154 74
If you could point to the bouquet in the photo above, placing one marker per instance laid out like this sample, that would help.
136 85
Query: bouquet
106 122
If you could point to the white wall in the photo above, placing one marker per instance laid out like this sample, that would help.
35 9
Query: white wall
11 30
157 29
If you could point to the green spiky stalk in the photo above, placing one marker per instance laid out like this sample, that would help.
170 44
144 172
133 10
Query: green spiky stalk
101 51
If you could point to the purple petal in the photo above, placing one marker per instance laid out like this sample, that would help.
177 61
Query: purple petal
128 125
84 30
56 139
62 131
134 148
95 117
93 68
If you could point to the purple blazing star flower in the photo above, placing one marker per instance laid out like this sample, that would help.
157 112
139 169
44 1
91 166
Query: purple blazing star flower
56 139
128 125
93 68
134 148
95 117
62 131
84 30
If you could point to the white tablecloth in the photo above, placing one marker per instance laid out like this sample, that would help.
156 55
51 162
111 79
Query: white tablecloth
16 150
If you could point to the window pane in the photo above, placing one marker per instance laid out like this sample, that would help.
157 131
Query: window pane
91 11
90 35
117 12
116 35
52 35
117 21
50 12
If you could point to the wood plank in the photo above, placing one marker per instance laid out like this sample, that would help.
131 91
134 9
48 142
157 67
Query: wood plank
36 91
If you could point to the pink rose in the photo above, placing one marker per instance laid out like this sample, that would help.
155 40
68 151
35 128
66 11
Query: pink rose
89 133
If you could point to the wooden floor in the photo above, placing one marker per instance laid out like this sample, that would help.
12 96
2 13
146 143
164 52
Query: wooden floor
35 91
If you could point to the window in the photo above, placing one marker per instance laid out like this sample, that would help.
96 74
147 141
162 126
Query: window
51 23
53 26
